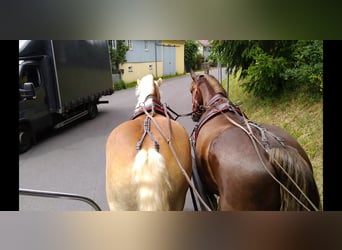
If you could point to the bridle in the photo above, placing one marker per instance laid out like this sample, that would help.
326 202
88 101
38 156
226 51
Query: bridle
198 108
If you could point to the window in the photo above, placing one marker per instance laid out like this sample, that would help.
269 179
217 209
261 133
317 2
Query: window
112 44
146 45
130 69
30 74
130 44
150 67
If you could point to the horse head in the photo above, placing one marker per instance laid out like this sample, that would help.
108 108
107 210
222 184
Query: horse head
205 89
147 90
197 98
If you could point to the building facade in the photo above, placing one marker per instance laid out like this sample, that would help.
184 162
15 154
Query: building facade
157 57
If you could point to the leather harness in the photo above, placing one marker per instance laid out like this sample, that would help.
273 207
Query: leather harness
228 106
225 106
155 108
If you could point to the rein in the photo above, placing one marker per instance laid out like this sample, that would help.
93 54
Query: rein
167 138
178 115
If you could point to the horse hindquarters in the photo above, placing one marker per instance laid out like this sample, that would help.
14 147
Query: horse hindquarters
236 170
134 180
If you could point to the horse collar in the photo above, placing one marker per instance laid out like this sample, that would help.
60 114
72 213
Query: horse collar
155 107
215 99
153 97
216 110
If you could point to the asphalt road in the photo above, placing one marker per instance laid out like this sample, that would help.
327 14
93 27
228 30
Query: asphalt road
72 159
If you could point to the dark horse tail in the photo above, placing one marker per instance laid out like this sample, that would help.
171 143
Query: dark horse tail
288 160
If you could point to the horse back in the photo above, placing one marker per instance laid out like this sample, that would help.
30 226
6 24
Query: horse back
288 140
124 138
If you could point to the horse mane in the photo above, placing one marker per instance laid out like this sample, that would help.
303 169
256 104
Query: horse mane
215 84
147 86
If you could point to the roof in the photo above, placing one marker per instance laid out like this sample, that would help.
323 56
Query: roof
204 43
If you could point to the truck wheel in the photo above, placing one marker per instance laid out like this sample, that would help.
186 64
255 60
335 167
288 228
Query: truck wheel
25 138
92 110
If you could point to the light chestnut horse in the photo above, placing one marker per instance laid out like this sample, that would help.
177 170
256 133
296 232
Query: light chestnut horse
147 156
245 165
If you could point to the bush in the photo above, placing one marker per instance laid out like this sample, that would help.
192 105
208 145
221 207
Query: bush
264 76
119 85
271 67
307 68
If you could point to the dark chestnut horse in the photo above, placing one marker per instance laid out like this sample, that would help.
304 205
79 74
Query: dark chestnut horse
148 158
243 165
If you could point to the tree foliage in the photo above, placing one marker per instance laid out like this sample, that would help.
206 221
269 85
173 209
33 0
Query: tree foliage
190 54
118 55
307 65
268 67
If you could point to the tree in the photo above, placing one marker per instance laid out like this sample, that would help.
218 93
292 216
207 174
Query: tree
234 53
190 54
270 66
307 65
118 55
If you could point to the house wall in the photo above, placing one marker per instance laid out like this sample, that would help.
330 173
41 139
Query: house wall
140 62
139 69
179 45
139 54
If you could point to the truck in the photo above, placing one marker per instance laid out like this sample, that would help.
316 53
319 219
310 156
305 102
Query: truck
60 81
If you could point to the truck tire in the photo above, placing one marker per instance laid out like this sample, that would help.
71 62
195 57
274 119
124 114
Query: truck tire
92 110
25 138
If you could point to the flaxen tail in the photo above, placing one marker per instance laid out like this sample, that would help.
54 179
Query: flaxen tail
298 169
152 181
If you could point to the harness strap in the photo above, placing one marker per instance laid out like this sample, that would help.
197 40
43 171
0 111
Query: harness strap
263 136
163 110
147 131
154 108
263 132
168 139
219 109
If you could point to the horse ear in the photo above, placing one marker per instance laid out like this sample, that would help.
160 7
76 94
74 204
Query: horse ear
193 75
159 82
